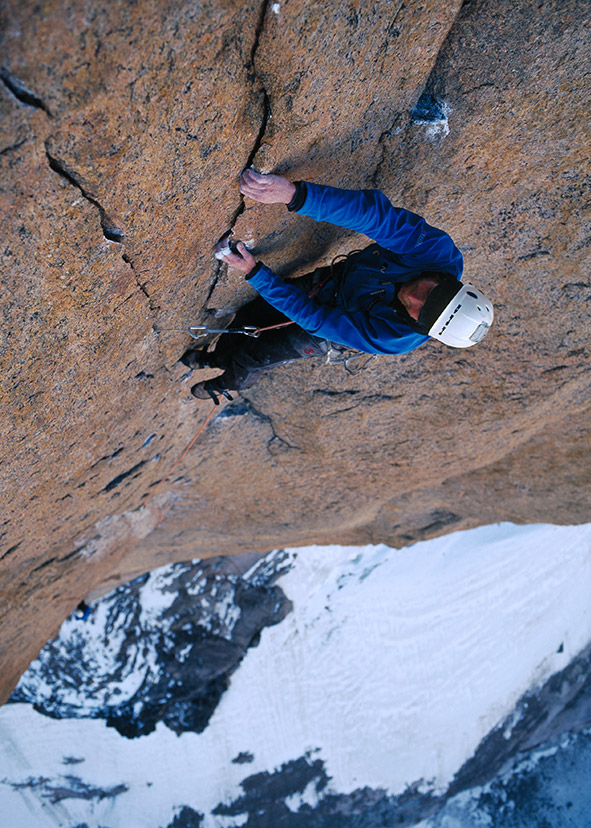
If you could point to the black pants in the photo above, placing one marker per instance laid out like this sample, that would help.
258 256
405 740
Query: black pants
244 358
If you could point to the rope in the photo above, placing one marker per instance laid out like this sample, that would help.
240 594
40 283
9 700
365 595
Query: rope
184 454
272 327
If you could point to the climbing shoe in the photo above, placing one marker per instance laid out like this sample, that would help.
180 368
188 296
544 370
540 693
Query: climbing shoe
211 389
197 358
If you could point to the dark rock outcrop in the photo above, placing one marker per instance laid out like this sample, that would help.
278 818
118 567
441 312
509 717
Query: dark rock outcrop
159 649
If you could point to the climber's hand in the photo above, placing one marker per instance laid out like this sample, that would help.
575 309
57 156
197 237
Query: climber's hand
268 189
239 257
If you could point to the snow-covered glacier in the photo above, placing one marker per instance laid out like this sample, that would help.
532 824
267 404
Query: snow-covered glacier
446 685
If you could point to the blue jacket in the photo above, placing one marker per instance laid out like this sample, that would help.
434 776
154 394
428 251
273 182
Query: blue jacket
362 315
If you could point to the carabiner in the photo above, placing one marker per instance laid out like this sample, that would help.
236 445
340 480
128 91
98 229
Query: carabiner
247 330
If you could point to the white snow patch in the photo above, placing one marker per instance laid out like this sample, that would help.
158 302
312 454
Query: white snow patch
197 587
514 720
224 616
309 796
156 595
438 128
280 559
182 655
231 821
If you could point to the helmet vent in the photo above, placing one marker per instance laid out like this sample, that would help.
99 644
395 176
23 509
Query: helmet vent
473 295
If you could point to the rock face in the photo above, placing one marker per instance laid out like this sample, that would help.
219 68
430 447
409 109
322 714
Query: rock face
124 129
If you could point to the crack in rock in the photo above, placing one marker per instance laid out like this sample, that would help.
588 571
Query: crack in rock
430 109
21 91
275 444
266 114
13 147
110 232
266 103
214 281
9 551
142 285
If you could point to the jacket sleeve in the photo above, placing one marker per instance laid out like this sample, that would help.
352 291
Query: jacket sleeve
354 329
407 234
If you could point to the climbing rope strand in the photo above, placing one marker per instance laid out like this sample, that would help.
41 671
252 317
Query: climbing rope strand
184 454
272 327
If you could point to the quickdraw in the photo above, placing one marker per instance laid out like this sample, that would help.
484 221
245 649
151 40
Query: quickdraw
247 330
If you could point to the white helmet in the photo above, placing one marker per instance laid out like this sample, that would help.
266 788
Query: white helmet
465 320
457 315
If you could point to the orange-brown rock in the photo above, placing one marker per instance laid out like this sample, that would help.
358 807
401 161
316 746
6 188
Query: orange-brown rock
124 128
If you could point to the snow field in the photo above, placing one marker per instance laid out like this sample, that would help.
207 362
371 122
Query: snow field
392 667
396 663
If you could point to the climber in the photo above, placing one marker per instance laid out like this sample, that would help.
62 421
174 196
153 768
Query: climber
388 298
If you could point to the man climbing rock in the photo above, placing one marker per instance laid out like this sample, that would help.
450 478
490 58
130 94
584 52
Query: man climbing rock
388 298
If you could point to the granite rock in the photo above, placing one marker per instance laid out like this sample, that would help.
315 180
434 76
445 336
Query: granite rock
124 129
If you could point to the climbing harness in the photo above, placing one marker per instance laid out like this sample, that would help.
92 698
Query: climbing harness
334 355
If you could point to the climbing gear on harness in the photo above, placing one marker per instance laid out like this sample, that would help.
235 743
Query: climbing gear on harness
247 330
201 331
335 357
211 389
200 358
